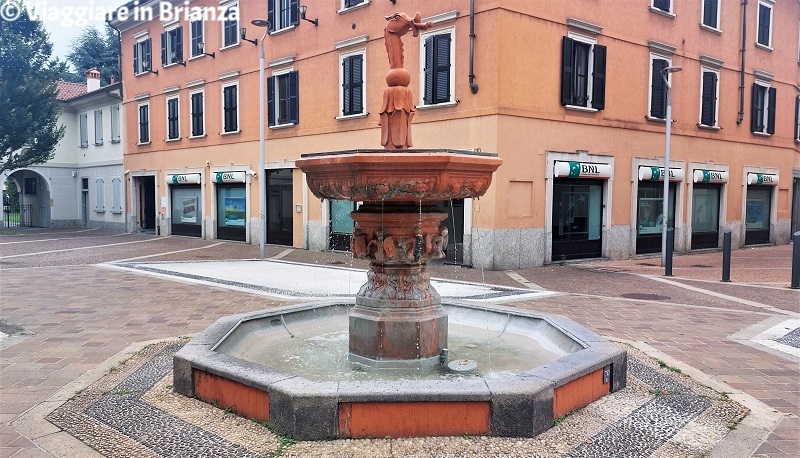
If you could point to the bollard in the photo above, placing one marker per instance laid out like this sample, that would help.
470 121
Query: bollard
670 246
796 260
726 256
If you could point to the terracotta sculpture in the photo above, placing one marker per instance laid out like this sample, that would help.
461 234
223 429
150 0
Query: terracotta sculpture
397 109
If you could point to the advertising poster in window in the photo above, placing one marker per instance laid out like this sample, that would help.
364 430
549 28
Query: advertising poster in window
754 217
651 217
235 211
189 210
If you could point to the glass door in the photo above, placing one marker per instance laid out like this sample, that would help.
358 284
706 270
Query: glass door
705 216
341 224
231 212
577 219
650 217
757 215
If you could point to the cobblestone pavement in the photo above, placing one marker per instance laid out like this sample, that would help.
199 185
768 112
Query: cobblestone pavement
64 321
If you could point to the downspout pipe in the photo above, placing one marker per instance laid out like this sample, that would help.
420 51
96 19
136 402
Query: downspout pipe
472 86
741 70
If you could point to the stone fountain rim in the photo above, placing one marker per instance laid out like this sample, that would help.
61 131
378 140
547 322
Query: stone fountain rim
399 151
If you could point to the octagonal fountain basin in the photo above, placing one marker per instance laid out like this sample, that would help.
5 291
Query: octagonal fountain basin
289 367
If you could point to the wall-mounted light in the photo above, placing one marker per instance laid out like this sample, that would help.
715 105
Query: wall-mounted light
174 58
146 64
393 1
201 50
303 9
243 36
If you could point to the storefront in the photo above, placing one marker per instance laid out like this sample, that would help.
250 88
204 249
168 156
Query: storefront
231 205
341 230
758 207
649 204
280 207
186 204
577 218
706 198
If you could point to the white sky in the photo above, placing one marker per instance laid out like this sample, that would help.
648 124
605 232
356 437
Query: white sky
66 19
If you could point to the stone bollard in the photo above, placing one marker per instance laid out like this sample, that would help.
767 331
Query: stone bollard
726 256
796 260
670 247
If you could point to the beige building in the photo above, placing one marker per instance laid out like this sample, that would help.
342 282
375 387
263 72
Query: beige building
569 94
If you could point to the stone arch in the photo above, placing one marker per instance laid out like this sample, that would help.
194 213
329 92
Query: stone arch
34 191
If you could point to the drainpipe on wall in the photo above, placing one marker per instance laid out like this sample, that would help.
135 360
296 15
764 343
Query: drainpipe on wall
472 86
741 70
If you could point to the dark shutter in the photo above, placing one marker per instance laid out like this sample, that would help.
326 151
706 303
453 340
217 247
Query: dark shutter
294 92
599 78
271 15
710 13
179 44
708 102
136 58
663 5
658 93
294 12
271 100
427 97
771 110
755 112
763 24
164 49
347 85
567 70
797 118
148 55
442 79
357 80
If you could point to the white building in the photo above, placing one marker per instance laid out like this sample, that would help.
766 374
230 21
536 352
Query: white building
83 184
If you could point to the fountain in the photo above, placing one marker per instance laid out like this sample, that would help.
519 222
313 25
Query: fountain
512 373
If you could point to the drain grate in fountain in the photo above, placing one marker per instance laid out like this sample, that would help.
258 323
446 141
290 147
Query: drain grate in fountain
645 296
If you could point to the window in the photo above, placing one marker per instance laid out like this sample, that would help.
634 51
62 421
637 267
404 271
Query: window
658 90
142 57
115 124
709 95
98 127
764 37
437 69
352 3
711 13
352 100
144 123
100 204
282 14
172 46
230 26
230 108
197 108
196 38
173 115
583 73
762 114
116 195
282 98
797 119
662 5
84 121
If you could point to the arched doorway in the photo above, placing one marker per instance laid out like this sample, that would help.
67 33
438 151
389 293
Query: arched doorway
34 198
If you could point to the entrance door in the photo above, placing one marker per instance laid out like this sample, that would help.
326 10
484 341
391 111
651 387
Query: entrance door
757 215
231 212
454 253
147 203
705 216
577 219
85 201
341 224
279 207
649 218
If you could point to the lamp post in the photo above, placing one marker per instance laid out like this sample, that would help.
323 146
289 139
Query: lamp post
262 144
665 205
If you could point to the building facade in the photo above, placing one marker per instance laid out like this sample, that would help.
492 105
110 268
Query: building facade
569 94
83 185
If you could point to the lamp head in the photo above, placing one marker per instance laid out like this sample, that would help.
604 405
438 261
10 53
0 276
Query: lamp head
243 33
258 22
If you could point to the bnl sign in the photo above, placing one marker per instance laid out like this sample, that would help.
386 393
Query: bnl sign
574 169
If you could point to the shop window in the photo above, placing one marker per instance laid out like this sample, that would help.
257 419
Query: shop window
583 73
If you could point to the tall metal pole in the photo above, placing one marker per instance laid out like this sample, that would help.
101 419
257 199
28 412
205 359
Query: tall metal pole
665 204
262 152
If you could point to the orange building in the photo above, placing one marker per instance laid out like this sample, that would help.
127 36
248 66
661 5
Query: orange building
569 94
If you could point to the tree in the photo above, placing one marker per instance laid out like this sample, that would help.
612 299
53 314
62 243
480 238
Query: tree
29 109
95 49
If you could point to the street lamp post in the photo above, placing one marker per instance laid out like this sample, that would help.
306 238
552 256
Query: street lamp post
262 143
665 205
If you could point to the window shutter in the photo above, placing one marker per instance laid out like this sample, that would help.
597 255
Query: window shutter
294 90
797 118
179 44
442 50
771 110
708 100
148 54
357 80
427 98
763 24
663 5
135 58
271 101
567 70
100 205
756 120
658 94
116 201
114 123
294 12
84 130
98 127
347 88
271 15
599 78
164 49
710 13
